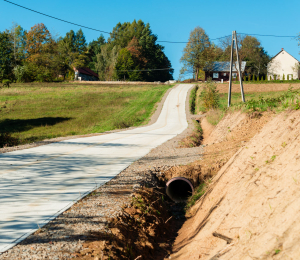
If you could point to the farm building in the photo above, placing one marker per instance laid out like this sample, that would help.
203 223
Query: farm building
85 74
283 66
220 70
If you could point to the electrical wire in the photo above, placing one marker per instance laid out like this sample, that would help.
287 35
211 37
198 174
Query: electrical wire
83 26
189 41
147 69
264 35
56 18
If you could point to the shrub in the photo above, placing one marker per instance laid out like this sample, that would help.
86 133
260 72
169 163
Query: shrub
244 79
283 77
7 140
210 97
20 73
193 99
253 77
6 82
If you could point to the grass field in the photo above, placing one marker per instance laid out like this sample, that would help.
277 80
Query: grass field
33 112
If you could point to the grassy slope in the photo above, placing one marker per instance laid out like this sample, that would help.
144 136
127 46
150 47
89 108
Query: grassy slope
237 98
214 116
34 112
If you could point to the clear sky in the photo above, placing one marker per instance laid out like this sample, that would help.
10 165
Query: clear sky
169 20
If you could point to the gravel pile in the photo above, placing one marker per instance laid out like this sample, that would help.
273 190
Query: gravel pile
65 235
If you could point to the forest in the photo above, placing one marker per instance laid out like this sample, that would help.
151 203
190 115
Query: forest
131 52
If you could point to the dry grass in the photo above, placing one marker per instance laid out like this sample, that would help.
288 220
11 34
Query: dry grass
214 116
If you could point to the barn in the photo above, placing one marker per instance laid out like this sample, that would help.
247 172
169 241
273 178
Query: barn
85 74
220 71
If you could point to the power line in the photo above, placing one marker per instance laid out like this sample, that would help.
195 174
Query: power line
264 35
83 26
189 41
56 18
147 69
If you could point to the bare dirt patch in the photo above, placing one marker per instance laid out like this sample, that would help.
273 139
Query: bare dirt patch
253 199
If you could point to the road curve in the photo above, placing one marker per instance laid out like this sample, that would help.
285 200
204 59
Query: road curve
37 184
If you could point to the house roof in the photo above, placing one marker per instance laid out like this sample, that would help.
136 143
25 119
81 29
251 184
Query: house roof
87 71
224 66
281 52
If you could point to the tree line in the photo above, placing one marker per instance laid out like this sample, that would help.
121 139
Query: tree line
200 53
131 53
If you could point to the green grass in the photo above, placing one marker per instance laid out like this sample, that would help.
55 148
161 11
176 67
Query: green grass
193 99
33 112
278 101
255 101
236 98
199 192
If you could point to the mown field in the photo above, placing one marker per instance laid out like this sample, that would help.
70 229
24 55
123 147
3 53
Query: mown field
37 111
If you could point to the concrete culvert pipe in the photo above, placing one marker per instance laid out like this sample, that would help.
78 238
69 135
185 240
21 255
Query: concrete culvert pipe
179 189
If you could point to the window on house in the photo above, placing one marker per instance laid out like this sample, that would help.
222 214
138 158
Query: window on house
224 74
234 75
215 75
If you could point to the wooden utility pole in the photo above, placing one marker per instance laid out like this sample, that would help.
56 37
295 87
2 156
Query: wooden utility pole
230 74
238 65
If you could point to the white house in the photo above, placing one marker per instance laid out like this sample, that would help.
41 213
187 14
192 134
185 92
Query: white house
285 64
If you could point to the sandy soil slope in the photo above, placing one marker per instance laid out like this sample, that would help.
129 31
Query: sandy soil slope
254 199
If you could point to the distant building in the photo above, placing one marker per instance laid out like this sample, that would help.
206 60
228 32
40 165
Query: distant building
220 70
285 64
85 74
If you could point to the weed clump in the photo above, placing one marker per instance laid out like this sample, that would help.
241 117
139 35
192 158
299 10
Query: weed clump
199 192
289 99
210 98
6 83
195 139
6 140
193 99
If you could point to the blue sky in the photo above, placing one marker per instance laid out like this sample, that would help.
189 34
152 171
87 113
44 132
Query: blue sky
169 20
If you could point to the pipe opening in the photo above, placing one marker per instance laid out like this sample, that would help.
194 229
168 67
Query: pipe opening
179 189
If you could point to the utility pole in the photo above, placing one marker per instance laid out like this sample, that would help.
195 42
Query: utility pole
239 67
230 74
234 40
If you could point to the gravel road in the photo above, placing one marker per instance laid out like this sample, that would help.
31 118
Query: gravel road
64 236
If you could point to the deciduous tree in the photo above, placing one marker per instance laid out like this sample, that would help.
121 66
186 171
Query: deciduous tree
151 52
197 53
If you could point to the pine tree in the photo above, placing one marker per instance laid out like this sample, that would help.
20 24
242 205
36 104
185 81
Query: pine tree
69 40
80 42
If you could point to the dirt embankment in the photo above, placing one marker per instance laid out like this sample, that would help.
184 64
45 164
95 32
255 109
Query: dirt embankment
254 199
223 88
221 143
